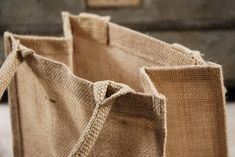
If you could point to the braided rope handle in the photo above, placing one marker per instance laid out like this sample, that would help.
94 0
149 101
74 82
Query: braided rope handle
12 62
102 109
91 132
8 70
95 124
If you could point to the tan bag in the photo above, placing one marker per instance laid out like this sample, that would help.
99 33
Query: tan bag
81 110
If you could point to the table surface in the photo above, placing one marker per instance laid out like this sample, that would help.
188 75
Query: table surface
5 130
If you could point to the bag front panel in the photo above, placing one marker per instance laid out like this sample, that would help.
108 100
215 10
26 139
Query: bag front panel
54 110
23 91
54 114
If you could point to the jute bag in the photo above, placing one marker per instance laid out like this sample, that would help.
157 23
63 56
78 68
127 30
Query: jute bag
105 90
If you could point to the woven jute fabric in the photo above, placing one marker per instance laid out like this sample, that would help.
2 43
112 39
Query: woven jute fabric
106 90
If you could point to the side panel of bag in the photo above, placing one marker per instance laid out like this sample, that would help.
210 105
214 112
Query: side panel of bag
195 103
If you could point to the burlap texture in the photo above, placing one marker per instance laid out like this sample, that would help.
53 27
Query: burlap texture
56 109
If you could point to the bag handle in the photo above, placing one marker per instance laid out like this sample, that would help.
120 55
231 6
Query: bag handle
95 124
12 62
102 90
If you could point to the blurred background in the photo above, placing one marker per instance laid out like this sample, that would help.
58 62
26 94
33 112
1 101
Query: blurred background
204 25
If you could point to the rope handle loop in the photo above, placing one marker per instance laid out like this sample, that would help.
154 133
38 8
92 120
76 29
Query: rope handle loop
104 92
12 62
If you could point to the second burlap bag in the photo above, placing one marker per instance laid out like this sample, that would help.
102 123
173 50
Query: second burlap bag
168 102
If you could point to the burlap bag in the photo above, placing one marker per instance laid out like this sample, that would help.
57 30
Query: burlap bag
65 99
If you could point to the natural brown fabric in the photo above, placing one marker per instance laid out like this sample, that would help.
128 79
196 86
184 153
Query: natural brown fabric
195 114
172 107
